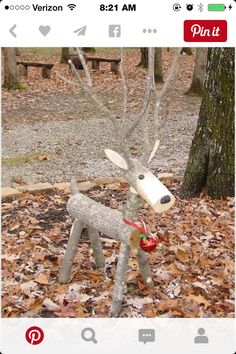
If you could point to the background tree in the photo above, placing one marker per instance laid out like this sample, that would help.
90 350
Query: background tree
158 72
187 50
10 68
197 86
65 55
144 58
211 159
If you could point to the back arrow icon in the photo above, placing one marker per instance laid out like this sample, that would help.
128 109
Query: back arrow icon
11 30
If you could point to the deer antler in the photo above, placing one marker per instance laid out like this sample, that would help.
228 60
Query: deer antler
149 150
88 89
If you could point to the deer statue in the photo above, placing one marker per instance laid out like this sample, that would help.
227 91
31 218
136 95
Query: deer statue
144 185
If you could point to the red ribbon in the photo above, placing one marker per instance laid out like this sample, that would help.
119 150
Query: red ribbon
139 225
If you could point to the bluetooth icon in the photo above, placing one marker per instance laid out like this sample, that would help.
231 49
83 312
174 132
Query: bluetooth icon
200 7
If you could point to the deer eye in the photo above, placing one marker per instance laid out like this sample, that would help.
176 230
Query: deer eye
141 176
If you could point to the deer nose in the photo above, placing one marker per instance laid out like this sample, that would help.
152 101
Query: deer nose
165 199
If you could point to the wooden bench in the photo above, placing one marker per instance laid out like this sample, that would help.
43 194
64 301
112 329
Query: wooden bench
96 63
46 68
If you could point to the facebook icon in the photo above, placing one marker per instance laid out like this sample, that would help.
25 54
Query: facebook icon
114 30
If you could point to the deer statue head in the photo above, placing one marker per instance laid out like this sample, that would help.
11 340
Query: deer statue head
143 182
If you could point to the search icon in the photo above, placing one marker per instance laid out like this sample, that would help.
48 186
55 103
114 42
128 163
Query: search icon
88 335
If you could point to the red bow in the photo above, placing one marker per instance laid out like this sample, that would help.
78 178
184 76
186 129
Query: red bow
139 225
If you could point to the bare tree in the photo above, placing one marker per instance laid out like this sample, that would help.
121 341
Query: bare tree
143 184
65 55
158 71
187 50
10 68
197 85
144 57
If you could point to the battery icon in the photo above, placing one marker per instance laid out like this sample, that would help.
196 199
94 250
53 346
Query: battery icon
216 7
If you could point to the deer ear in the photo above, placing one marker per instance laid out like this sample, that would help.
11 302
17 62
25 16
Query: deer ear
116 158
154 150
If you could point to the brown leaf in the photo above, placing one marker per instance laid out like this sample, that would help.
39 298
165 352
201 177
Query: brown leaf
199 299
182 256
44 157
42 279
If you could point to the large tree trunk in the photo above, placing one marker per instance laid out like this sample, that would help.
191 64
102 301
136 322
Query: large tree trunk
65 55
158 72
197 86
211 159
144 58
10 68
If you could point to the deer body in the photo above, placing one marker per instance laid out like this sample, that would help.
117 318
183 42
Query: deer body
99 218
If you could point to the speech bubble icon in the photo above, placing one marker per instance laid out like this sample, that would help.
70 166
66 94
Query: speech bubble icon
146 335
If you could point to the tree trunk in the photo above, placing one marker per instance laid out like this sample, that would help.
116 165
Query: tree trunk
144 58
17 52
197 86
211 159
187 51
158 72
10 68
65 55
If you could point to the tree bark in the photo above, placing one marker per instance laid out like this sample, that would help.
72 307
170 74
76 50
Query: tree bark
211 158
10 68
197 86
65 55
158 72
144 58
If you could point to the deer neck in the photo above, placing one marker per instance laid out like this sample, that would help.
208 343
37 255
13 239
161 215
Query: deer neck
132 206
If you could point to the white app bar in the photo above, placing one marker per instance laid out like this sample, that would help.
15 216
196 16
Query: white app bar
151 336
154 23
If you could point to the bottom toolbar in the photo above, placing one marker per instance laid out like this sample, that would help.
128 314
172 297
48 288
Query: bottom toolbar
160 335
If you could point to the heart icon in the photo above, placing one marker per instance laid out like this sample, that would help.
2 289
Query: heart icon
44 30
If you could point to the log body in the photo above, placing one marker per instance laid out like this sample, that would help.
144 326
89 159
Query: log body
98 216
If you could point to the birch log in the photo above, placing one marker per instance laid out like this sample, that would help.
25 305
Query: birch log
96 247
71 250
97 216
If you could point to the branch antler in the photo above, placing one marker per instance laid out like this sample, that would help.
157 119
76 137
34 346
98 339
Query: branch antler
88 89
150 149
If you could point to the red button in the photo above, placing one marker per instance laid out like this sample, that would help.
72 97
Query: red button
205 31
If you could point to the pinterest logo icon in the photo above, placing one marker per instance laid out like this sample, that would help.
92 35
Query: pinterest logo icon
34 335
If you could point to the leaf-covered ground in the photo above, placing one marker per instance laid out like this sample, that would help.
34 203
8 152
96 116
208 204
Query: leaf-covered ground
193 267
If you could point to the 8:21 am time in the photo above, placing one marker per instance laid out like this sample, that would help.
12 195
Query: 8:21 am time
116 7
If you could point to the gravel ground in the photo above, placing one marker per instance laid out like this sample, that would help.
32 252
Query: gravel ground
67 135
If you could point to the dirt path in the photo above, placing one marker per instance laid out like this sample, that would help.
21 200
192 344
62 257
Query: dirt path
49 135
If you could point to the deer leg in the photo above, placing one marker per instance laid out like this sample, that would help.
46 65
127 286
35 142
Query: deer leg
120 279
144 268
96 247
71 249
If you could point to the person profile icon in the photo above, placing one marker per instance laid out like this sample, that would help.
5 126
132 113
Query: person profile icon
201 338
